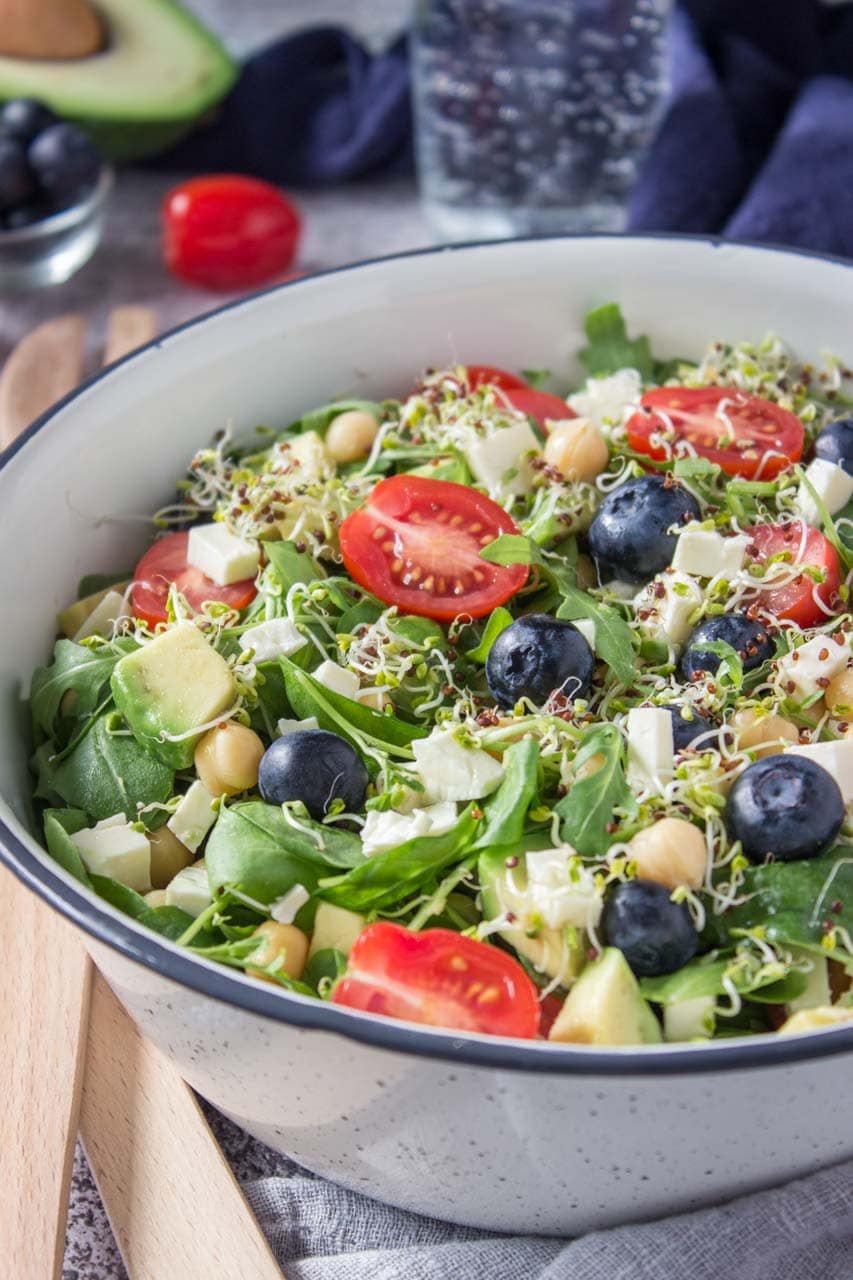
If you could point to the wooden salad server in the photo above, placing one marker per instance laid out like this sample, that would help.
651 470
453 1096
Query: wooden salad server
71 1055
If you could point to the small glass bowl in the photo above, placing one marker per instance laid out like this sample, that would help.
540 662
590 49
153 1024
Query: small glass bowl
50 251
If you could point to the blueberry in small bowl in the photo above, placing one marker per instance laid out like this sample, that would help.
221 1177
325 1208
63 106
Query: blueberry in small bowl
53 188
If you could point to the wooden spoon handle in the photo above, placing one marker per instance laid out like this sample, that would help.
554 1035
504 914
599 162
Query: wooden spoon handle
127 329
44 366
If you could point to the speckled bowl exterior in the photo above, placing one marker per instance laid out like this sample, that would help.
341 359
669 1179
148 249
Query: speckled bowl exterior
494 1133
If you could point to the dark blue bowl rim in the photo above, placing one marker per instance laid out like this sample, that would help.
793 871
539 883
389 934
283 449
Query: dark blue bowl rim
79 906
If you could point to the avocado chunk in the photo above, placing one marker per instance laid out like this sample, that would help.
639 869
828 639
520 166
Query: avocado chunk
503 891
159 70
70 619
815 1019
605 1007
335 929
174 684
817 993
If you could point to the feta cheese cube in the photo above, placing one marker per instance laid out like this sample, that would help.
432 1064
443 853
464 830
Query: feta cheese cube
336 678
668 617
608 401
190 890
707 554
193 817
117 820
118 851
103 617
490 457
388 829
220 555
286 908
278 638
835 757
297 726
818 659
621 590
559 896
651 751
450 771
833 486
586 627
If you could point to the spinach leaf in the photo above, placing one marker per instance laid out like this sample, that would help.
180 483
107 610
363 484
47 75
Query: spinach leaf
291 566
255 849
366 611
450 467
324 967
75 667
609 347
614 639
505 811
790 901
120 896
360 725
169 922
704 977
588 809
91 583
390 877
59 826
499 620
106 773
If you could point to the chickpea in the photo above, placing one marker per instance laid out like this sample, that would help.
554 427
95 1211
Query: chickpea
766 735
283 940
168 856
350 435
227 759
376 699
155 898
577 449
671 852
839 694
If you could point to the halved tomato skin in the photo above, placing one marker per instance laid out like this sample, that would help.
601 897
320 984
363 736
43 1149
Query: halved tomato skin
416 544
797 601
745 435
481 375
439 978
542 406
166 563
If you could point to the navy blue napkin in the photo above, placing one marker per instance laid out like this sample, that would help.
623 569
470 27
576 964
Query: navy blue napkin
757 140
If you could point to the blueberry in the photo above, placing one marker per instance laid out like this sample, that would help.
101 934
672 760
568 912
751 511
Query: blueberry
835 444
785 805
748 639
655 934
23 118
315 767
16 179
64 161
535 657
685 731
24 215
629 536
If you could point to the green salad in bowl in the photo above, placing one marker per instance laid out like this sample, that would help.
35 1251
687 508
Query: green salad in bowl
491 709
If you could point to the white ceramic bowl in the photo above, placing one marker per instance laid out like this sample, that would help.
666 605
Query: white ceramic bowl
500 1134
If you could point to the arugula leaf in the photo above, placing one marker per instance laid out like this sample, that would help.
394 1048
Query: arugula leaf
106 773
59 826
614 639
730 670
76 668
511 548
360 725
499 619
588 809
255 849
388 878
505 811
609 347
790 901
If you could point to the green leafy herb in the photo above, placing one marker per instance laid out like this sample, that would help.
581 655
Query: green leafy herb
108 772
75 668
499 620
590 806
319 419
505 811
704 977
120 896
535 377
393 876
609 347
291 566
59 826
614 639
512 548
169 922
323 969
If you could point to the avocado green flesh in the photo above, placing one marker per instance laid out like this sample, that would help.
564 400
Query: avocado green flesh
502 891
161 69
605 1007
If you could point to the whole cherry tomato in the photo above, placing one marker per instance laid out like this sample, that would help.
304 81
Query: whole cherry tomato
226 231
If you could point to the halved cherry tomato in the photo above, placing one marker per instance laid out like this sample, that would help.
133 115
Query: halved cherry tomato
166 563
440 978
417 543
539 405
797 600
481 375
226 231
745 435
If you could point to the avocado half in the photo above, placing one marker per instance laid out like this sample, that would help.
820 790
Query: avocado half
158 72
